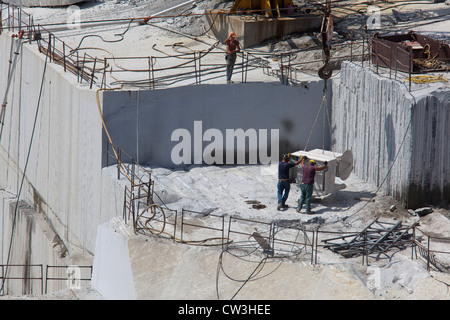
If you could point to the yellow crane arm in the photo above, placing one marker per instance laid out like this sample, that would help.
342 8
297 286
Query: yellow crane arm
267 6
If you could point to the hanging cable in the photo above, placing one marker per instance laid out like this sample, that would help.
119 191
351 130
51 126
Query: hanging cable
250 276
14 56
107 132
324 99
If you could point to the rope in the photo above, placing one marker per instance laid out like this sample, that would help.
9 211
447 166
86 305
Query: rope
107 132
427 79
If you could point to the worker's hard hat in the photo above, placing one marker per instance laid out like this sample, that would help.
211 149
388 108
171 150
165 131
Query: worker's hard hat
232 34
312 162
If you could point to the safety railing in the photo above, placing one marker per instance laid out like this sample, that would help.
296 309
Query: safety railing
29 274
213 233
74 277
206 229
292 240
263 237
287 239
85 67
155 218
394 58
139 188
390 57
425 244
151 72
26 273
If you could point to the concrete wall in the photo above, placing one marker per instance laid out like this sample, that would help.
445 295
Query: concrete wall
142 122
254 31
376 118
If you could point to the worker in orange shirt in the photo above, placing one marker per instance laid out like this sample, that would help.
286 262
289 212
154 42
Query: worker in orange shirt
233 47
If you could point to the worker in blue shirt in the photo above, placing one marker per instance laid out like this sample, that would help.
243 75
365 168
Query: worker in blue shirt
284 183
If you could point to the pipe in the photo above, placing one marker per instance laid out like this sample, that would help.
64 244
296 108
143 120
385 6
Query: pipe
169 9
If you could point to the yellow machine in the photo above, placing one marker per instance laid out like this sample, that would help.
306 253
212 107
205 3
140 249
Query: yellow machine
268 7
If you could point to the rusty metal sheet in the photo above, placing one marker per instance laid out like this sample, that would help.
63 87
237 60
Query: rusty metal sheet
410 52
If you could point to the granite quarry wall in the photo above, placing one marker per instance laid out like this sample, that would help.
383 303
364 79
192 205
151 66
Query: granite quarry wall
145 123
399 139
63 179
69 190
65 176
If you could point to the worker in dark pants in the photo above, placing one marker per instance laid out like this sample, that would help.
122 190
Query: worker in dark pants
233 47
284 183
307 186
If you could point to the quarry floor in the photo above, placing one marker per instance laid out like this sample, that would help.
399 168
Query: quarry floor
218 190
226 190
